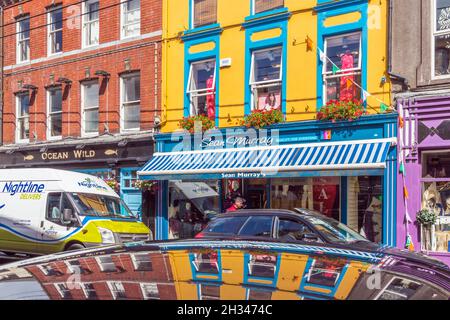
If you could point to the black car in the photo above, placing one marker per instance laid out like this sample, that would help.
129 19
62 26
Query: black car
208 269
302 226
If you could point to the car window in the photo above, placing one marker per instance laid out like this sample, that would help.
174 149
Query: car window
229 225
56 206
257 227
292 230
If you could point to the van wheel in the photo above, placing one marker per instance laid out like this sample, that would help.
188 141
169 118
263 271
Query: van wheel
75 246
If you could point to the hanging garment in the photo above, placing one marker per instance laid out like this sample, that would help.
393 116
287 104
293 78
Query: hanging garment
347 92
324 197
211 99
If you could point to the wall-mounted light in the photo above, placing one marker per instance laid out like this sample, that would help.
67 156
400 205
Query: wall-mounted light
122 143
80 146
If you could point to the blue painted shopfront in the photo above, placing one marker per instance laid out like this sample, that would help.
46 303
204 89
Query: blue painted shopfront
367 129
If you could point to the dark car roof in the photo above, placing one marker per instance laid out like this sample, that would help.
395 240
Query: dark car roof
278 212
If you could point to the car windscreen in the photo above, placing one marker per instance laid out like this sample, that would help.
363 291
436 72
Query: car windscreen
226 225
101 206
335 231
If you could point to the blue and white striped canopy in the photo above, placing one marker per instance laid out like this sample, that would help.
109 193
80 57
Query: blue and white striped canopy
344 155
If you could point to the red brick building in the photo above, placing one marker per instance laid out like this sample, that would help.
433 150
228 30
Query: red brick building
81 86
136 276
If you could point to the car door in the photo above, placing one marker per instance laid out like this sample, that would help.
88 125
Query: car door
52 230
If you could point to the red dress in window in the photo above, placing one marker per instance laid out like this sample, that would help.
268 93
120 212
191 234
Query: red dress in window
347 92
211 99
324 197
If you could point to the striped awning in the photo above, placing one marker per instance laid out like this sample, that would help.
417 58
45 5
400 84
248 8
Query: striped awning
343 155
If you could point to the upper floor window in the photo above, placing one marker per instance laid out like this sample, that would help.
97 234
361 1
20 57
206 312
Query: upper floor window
54 113
131 18
266 5
201 88
23 39
55 26
266 79
23 117
90 23
204 12
342 67
89 105
441 35
131 102
117 290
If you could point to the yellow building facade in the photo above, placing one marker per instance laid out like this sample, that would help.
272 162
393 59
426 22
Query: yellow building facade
235 37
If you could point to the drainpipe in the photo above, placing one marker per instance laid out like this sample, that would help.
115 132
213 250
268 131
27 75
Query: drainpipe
391 74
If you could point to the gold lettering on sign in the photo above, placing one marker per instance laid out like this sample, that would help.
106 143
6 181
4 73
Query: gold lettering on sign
84 154
55 156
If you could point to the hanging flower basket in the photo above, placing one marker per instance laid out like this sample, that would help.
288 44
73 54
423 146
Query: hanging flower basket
426 217
144 184
338 110
113 184
261 118
189 123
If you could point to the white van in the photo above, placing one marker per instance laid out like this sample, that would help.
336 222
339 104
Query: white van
45 211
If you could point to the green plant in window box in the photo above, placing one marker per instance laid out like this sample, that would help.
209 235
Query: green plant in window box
339 110
426 217
262 118
189 123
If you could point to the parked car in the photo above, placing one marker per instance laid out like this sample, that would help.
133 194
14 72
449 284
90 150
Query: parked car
301 226
223 269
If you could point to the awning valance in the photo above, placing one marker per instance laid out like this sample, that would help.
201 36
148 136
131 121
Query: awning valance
342 155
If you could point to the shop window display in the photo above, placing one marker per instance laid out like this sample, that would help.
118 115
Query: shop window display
436 199
320 194
191 206
365 206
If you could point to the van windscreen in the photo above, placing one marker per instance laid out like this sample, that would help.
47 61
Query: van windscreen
101 206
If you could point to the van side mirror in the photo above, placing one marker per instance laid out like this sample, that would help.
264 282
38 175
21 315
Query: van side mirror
68 217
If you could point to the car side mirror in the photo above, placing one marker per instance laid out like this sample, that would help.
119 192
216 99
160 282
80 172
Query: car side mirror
310 237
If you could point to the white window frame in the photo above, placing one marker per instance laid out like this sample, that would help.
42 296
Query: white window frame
254 85
254 7
123 26
100 263
123 103
146 297
348 72
84 109
111 288
85 290
51 32
434 34
20 41
252 262
193 26
198 260
19 117
136 262
50 114
60 291
199 92
86 24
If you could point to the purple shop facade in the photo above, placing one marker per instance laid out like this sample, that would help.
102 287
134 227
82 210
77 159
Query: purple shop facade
424 178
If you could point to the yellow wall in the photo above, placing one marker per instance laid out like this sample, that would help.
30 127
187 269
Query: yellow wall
301 68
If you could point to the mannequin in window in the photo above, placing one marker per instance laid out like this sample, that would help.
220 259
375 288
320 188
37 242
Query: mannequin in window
270 103
211 98
372 221
347 62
